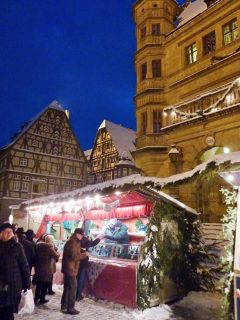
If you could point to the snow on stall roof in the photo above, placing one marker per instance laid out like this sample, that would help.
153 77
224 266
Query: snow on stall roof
136 180
123 138
192 10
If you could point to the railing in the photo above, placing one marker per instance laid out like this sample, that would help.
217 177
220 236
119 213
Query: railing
150 39
149 84
206 105
149 140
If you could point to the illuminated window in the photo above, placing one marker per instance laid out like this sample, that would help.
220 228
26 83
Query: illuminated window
144 71
191 53
230 32
155 29
157 121
156 68
209 43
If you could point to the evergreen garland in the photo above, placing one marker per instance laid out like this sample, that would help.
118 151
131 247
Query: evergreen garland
229 229
175 254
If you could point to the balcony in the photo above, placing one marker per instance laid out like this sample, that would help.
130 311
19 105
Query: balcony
149 40
208 104
150 84
154 140
149 13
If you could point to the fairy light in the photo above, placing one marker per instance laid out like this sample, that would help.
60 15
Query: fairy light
230 178
226 150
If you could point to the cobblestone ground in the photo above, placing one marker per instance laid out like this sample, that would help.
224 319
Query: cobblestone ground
89 309
196 306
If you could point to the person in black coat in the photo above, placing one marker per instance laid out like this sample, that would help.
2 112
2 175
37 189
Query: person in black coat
27 246
14 272
85 245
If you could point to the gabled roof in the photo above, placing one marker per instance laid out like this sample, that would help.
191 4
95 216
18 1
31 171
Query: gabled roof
192 10
122 138
53 105
88 153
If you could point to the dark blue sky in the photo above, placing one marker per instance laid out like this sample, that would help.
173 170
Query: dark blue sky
79 52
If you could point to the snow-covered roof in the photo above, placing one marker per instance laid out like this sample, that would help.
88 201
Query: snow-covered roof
53 105
137 180
123 138
88 153
192 10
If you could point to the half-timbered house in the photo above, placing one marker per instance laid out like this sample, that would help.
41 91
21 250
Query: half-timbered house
43 158
111 156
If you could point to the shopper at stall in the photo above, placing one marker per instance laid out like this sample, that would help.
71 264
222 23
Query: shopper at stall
86 243
45 253
49 239
30 236
70 265
14 272
116 232
27 246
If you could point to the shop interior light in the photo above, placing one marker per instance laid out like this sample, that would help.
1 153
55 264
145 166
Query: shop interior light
117 193
226 150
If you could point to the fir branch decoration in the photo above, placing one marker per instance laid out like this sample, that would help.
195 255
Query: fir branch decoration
174 252
229 228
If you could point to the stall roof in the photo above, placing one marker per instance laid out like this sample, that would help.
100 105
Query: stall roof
218 162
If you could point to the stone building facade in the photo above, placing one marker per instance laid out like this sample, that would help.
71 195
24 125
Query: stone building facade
187 99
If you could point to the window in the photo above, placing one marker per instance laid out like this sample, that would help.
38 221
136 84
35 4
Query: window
230 32
72 170
155 29
25 186
144 123
156 68
16 185
191 53
209 43
23 162
143 32
51 188
144 71
26 178
17 177
157 121
75 183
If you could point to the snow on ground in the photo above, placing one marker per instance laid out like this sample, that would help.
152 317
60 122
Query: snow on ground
196 306
199 306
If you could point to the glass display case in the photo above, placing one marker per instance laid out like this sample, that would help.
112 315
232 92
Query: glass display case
113 250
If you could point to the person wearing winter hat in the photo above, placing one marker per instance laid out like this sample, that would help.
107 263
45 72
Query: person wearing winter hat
14 272
70 266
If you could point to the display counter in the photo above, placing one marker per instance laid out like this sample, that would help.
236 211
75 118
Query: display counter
112 273
112 280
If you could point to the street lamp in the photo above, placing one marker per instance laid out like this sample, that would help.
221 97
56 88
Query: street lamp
174 153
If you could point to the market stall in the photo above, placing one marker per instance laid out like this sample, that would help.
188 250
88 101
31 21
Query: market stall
116 271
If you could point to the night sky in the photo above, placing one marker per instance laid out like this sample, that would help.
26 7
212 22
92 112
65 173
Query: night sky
79 52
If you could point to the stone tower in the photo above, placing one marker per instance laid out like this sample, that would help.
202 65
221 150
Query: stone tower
154 20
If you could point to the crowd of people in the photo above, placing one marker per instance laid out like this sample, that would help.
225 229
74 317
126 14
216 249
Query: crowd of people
26 262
